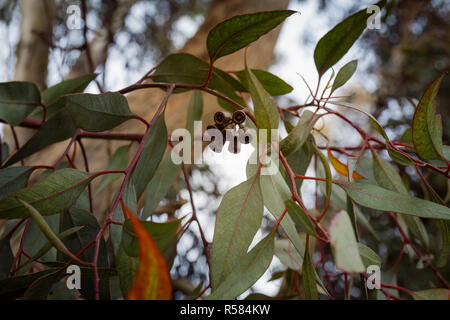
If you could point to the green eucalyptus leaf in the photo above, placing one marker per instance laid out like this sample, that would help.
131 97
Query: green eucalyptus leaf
300 218
271 83
40 288
119 161
164 177
52 195
164 235
375 197
431 294
58 128
336 42
308 277
51 96
427 126
239 217
17 100
250 267
288 255
237 32
97 112
266 112
368 256
151 156
297 137
126 268
344 245
187 69
195 111
75 217
13 179
344 74
7 257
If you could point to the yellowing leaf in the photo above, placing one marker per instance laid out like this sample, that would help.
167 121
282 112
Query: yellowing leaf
342 168
152 280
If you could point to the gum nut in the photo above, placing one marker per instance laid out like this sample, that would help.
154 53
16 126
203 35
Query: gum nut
238 117
219 117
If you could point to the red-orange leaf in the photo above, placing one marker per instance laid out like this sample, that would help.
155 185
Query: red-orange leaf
342 168
152 280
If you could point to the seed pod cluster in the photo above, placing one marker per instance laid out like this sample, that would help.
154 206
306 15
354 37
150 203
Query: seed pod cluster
222 123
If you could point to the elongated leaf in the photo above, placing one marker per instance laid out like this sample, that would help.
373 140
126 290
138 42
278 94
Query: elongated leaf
90 112
266 112
119 161
344 245
308 277
288 255
339 201
431 294
7 257
328 176
388 178
97 112
297 137
13 179
185 68
58 128
49 244
4 152
40 289
368 256
151 156
249 269
17 101
300 218
426 131
299 162
445 243
152 280
126 268
54 194
238 219
53 93
195 111
344 74
51 96
239 31
75 217
45 228
399 158
375 197
271 83
164 235
14 287
335 44
164 177
341 167
275 192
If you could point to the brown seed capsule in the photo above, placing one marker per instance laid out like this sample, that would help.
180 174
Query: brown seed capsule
238 117
219 118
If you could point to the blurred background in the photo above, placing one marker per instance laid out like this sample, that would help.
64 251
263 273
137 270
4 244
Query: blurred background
43 41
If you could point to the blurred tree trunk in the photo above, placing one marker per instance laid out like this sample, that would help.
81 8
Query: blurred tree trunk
36 30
